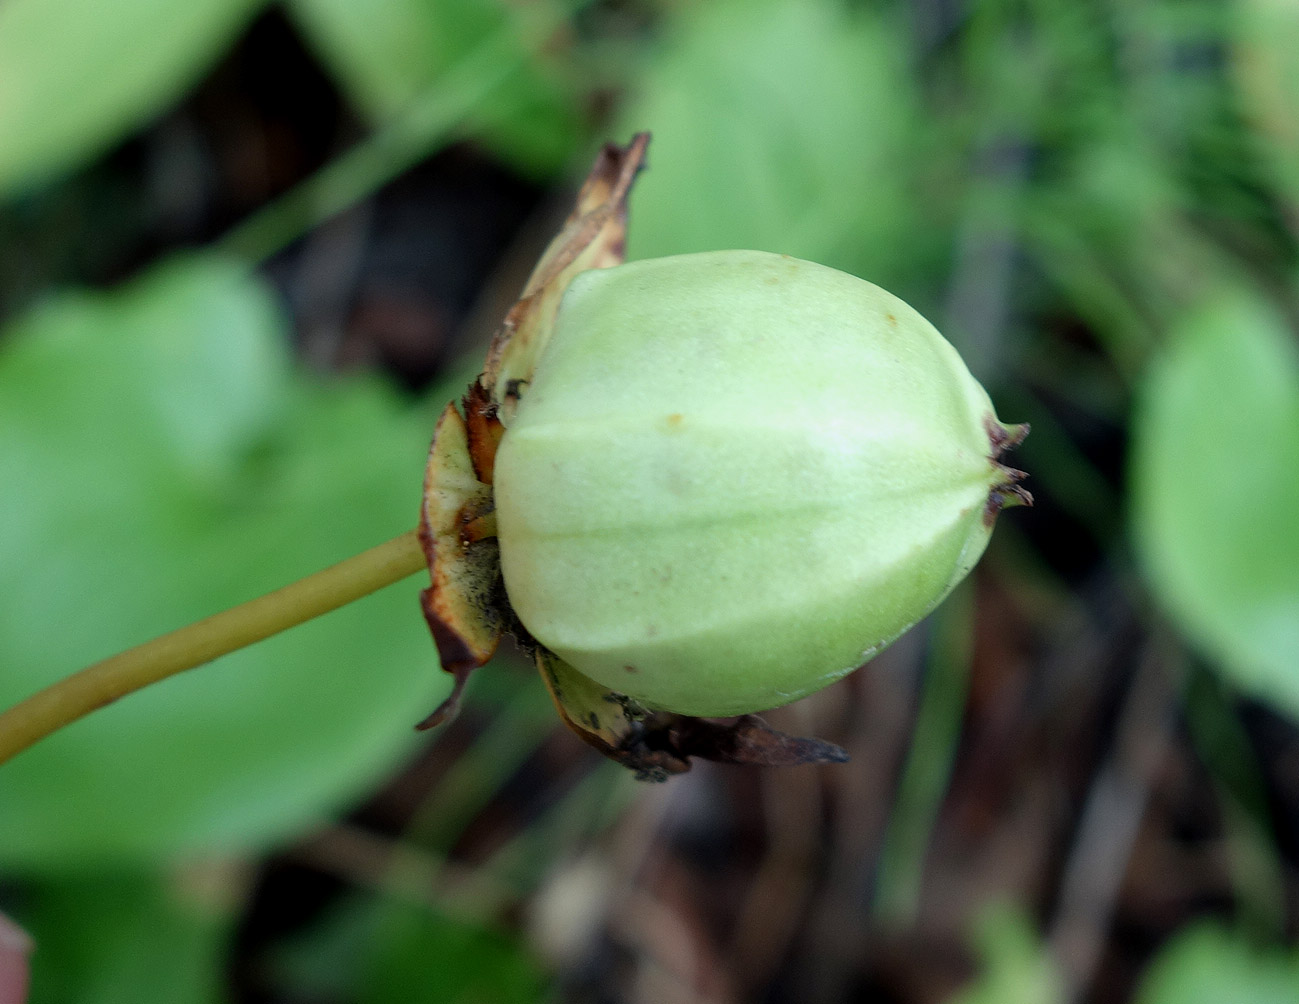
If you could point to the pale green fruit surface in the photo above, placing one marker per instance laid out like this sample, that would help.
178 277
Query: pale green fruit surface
736 476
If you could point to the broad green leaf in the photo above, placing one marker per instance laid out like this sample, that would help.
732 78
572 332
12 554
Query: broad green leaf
381 950
1215 481
385 53
1016 968
124 939
1266 59
161 461
76 75
1208 965
779 125
422 955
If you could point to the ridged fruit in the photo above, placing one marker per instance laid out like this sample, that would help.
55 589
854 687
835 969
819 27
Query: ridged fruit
736 476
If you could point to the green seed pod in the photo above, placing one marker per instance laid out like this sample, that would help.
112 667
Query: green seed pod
735 476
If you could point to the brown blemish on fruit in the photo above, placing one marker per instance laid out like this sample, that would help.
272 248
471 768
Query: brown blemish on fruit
674 421
631 669
893 321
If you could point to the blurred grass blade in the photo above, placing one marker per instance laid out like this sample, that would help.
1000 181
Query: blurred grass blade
930 758
77 75
385 53
1266 58
445 105
1216 490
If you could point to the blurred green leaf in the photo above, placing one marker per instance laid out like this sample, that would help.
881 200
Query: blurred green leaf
123 940
420 955
381 950
1216 489
780 125
930 759
160 461
1266 58
1208 965
384 53
76 75
1110 231
1016 966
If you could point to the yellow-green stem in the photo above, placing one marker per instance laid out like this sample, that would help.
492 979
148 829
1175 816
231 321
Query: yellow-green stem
95 686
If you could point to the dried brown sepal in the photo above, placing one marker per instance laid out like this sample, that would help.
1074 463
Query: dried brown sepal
594 236
749 740
465 605
657 745
601 717
484 430
1003 438
462 604
450 707
1007 493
